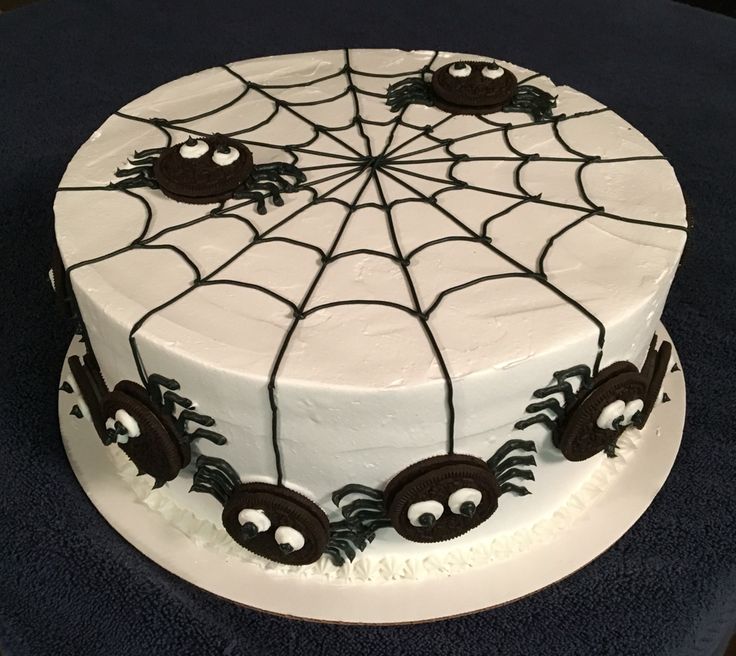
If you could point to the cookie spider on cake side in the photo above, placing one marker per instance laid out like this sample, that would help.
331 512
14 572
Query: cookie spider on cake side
153 425
210 169
274 521
592 418
439 498
471 87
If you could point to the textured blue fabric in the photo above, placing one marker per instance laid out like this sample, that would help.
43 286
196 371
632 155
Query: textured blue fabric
70 585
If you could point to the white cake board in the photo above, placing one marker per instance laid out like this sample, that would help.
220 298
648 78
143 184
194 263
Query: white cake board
479 588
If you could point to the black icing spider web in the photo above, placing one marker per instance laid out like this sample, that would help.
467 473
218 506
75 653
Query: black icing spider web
392 163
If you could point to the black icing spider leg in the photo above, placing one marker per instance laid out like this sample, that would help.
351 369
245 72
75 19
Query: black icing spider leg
344 540
366 513
154 384
410 91
270 181
170 400
186 416
560 386
140 173
216 477
508 468
532 100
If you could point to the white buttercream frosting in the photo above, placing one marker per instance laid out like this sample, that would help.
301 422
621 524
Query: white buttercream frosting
360 392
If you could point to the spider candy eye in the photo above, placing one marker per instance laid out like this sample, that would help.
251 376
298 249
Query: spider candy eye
460 70
492 71
610 414
465 501
225 155
425 513
193 148
289 539
632 407
253 521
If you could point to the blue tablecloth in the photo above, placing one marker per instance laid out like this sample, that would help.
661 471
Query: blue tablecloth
70 585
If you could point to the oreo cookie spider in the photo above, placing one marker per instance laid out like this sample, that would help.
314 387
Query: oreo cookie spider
593 418
439 498
142 420
210 169
471 87
273 521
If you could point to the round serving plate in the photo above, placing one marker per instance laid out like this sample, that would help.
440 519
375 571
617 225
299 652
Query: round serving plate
607 518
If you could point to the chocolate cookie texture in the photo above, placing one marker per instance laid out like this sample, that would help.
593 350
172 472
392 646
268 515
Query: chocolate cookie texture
292 529
439 498
205 170
600 416
593 417
420 500
144 433
274 521
472 87
92 389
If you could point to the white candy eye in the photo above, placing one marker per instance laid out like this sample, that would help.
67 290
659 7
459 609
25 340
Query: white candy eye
464 501
225 155
425 513
632 407
459 69
493 71
193 148
129 425
289 539
256 517
611 413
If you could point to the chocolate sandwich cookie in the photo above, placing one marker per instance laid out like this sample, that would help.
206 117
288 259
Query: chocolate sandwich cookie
276 523
583 434
420 503
151 441
472 87
203 170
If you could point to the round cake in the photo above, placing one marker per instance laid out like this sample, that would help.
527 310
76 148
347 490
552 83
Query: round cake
368 313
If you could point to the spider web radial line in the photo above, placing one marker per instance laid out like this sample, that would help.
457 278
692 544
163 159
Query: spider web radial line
357 117
138 324
299 315
423 320
424 132
551 241
589 315
288 107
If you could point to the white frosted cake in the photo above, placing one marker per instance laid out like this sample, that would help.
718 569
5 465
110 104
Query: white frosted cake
368 314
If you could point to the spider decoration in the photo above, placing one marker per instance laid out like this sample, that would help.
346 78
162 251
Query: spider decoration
471 87
593 418
210 169
439 498
275 522
141 420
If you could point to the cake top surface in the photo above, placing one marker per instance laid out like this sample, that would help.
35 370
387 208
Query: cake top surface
419 245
